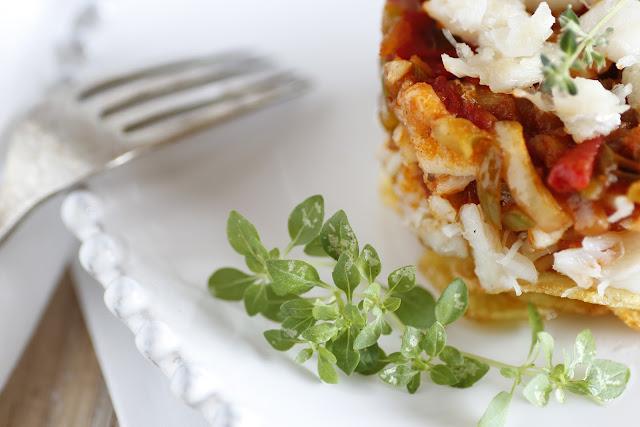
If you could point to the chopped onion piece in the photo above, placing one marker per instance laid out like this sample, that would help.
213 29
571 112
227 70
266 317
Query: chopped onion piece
526 187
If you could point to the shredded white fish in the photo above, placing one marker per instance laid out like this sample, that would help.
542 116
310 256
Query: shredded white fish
498 269
585 265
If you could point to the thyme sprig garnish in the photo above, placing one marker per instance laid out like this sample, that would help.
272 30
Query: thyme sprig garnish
341 321
577 50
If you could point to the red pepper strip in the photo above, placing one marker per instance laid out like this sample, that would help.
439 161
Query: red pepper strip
573 170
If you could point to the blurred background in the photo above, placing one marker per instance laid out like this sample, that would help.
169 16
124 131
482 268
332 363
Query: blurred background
64 360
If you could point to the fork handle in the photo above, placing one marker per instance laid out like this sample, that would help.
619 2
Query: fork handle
37 166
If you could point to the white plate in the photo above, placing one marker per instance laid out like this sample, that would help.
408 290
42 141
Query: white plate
165 216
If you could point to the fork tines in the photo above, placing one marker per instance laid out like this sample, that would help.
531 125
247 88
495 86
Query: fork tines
170 100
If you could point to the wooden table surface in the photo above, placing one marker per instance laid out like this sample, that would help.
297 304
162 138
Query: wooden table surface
58 380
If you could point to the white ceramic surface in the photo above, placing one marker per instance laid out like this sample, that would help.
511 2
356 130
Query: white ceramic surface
162 219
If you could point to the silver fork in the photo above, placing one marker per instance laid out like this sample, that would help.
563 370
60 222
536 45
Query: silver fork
78 132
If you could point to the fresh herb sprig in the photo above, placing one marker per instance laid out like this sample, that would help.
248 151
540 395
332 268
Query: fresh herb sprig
577 50
341 321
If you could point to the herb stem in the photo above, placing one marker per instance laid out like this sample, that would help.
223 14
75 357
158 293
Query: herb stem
289 247
325 285
401 326
566 67
514 385
338 298
490 362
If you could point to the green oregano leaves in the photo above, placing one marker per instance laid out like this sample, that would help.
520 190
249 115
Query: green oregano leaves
599 379
577 50
341 323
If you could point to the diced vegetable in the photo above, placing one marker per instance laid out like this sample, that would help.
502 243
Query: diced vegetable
488 185
575 168
458 135
526 187
516 220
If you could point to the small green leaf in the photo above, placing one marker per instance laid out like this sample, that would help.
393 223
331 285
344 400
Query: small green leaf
607 379
347 357
579 387
323 311
559 373
320 333
545 60
338 237
386 328
496 413
392 304
402 279
452 303
314 248
326 371
398 375
537 391
535 323
354 316
292 276
295 327
417 308
274 253
255 264
372 360
243 237
435 340
568 42
304 355
255 299
414 384
274 303
410 346
346 275
546 344
371 296
397 358
327 355
469 373
584 350
569 16
305 221
442 375
451 356
229 284
369 263
298 308
509 372
279 339
370 334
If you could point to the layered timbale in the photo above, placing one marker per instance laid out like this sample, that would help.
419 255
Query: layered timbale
529 187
